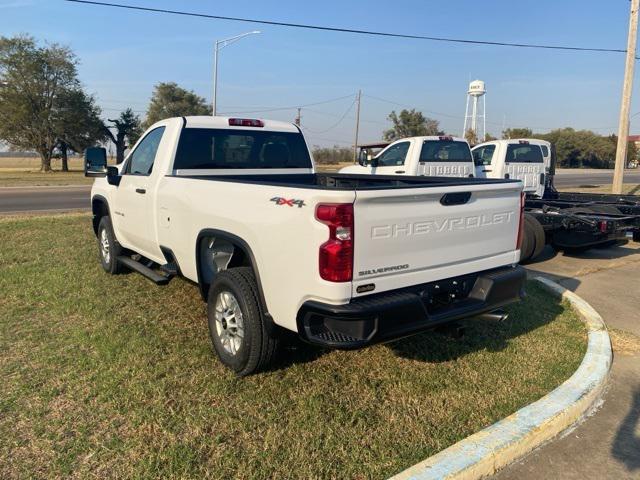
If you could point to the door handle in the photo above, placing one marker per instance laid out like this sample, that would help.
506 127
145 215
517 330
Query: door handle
487 170
399 171
141 190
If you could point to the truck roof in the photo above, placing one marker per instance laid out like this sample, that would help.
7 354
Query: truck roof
205 121
535 141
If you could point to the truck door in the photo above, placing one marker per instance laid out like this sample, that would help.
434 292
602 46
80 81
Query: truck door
392 160
524 161
132 213
483 161
445 157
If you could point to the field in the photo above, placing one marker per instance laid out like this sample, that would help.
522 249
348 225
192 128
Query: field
25 172
112 376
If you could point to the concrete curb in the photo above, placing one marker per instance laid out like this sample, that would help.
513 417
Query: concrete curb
489 450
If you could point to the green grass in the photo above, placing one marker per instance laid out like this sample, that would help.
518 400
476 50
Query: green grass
11 177
112 376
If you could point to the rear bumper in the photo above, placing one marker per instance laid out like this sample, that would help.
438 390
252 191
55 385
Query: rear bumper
400 313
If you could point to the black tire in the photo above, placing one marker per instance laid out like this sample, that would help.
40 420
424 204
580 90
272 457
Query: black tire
256 348
538 235
108 256
528 243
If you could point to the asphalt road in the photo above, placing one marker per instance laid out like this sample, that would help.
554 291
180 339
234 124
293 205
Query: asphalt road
591 177
44 199
56 199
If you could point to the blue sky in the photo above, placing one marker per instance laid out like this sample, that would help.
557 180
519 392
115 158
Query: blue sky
124 53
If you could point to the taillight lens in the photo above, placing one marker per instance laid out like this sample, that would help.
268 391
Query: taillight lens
521 224
604 226
335 257
245 122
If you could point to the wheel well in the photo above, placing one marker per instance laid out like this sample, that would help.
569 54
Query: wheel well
216 253
99 209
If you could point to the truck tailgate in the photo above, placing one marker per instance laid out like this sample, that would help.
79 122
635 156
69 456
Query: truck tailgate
412 236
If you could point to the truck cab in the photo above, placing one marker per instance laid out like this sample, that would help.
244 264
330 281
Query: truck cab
528 160
434 156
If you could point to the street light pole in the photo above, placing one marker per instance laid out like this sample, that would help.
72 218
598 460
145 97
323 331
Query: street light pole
627 86
219 45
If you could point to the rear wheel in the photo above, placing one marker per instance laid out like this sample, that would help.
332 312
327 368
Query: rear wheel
237 326
538 235
108 247
528 243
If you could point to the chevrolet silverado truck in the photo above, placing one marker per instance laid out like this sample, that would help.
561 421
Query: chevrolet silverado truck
436 156
344 261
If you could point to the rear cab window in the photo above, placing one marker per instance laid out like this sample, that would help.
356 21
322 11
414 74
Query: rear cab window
210 148
524 153
445 151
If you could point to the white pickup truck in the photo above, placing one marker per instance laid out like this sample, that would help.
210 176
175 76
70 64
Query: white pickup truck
441 156
342 260
524 159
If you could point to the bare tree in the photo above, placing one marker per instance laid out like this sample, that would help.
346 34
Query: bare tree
127 128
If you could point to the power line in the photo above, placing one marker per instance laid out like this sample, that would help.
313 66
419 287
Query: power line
351 30
275 109
340 120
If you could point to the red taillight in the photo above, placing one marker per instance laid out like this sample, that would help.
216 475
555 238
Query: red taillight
336 254
604 226
447 138
521 224
245 122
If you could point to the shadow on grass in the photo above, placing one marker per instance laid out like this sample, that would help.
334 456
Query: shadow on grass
436 346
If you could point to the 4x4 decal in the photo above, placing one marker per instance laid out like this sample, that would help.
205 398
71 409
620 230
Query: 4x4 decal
288 201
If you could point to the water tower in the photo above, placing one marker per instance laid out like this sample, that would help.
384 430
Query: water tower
472 119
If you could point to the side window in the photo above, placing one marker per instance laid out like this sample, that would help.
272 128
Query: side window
545 150
483 155
394 156
142 158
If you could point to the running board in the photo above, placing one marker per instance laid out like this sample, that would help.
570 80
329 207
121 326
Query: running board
152 275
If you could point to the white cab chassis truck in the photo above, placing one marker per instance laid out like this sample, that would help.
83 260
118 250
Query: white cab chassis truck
435 156
567 221
344 261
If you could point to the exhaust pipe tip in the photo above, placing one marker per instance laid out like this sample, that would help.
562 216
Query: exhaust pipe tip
497 316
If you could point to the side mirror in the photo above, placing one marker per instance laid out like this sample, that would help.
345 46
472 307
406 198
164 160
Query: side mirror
95 162
113 176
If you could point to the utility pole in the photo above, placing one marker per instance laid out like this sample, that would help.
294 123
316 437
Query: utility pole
298 117
355 143
627 87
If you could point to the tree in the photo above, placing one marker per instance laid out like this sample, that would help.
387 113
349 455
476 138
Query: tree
517 133
411 123
170 100
34 81
127 127
332 155
80 125
471 137
489 138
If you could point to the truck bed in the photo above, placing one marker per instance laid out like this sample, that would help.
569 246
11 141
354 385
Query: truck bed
342 181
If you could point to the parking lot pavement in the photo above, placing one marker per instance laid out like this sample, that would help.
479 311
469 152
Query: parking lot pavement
607 444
